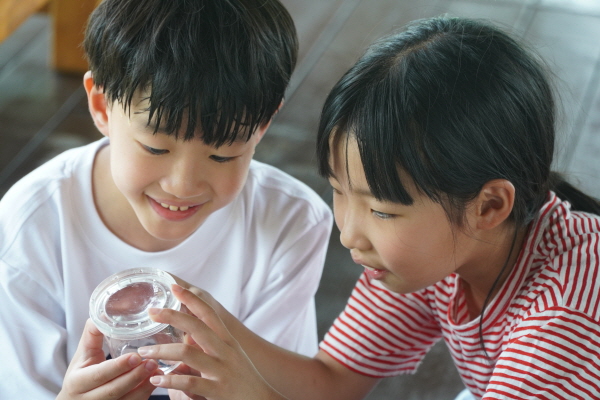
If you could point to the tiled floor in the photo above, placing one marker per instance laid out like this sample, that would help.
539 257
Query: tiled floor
43 113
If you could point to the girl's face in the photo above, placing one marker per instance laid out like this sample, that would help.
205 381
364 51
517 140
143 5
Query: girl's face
405 247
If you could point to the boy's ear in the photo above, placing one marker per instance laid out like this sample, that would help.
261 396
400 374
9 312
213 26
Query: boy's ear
96 103
494 203
261 130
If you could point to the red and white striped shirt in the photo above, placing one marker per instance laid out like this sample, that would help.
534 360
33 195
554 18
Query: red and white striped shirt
541 332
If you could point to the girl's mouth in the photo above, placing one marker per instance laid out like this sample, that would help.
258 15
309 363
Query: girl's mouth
374 273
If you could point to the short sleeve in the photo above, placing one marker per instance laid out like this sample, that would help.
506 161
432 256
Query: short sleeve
553 355
381 333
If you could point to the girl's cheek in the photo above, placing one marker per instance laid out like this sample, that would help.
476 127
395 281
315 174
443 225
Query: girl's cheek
338 213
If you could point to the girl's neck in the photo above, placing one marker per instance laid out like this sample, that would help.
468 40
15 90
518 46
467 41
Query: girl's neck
496 260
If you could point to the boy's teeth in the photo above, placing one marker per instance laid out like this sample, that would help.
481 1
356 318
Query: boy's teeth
174 208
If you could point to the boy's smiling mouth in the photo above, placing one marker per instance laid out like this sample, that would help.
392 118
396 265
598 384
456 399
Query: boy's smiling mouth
175 208
172 212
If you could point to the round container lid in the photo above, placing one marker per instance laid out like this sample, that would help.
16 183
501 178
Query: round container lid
119 305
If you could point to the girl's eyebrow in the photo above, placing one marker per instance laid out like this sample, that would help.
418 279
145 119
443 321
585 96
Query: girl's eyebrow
363 192
359 191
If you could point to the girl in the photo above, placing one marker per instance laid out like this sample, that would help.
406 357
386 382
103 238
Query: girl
438 145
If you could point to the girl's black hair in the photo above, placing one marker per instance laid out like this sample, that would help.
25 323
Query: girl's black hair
217 68
454 103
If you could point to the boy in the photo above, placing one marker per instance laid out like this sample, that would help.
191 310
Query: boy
183 91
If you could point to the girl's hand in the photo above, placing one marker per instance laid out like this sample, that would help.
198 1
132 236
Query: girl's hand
91 376
226 371
206 298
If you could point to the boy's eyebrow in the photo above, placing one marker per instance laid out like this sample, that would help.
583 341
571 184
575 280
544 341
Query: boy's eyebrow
152 126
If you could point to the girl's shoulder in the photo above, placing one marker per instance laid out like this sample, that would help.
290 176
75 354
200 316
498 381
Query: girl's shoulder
562 258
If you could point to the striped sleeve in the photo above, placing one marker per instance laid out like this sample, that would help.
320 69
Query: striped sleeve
554 355
381 333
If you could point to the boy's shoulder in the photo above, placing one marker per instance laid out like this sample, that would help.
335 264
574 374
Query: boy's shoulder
268 184
47 186
43 180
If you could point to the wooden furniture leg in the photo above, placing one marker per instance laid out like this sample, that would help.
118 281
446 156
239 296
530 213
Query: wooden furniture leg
69 18
14 12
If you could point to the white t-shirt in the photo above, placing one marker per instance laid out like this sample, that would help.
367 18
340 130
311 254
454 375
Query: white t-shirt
261 257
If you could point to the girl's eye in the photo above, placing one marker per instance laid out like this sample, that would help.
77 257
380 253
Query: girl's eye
220 159
335 191
382 215
156 152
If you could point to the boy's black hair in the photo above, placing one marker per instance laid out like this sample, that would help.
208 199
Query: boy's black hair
455 103
216 69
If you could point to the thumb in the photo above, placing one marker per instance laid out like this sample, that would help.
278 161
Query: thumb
89 351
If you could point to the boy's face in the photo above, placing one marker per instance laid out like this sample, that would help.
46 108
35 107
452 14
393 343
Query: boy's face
171 185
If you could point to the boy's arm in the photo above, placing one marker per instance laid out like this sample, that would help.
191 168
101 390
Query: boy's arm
32 343
283 311
223 350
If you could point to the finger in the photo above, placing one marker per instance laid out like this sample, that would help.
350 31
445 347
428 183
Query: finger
123 384
201 334
203 310
186 383
95 376
143 391
89 351
196 360
184 284
176 394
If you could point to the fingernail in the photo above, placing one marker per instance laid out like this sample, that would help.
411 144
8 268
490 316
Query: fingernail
156 380
134 360
154 311
151 365
176 288
145 351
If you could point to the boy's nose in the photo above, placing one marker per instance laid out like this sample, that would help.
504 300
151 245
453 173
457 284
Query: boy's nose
184 182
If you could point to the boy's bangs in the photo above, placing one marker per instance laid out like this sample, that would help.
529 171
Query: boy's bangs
213 70
210 114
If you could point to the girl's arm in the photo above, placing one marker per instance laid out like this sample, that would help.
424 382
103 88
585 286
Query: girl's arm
234 363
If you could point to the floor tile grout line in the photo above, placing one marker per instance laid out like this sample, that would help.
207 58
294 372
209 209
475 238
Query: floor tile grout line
41 135
324 40
18 55
585 106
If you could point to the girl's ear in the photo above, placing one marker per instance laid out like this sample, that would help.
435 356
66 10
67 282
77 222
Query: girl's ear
494 203
96 103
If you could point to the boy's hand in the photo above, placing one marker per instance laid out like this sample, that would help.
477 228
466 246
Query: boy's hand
221 370
90 376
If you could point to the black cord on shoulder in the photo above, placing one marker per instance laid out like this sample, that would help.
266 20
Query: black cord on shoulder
489 295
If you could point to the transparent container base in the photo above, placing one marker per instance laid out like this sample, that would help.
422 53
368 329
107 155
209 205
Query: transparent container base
170 334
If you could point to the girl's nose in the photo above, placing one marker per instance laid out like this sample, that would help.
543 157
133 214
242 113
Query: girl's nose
352 233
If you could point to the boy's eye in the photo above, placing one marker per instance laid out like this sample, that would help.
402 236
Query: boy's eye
154 151
382 215
220 159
